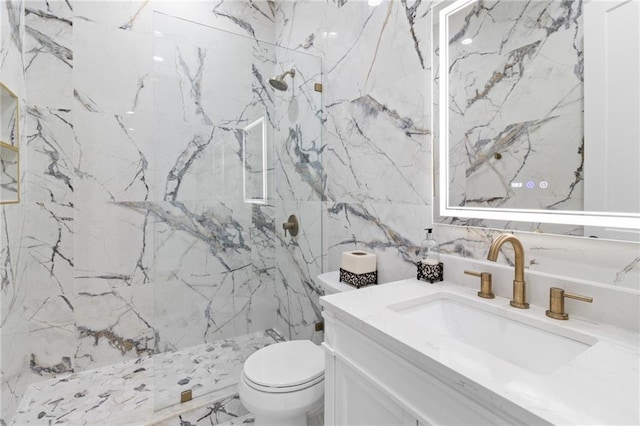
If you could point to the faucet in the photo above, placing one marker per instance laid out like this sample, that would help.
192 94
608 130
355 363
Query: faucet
519 297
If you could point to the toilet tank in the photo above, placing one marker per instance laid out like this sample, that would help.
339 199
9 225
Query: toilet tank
330 283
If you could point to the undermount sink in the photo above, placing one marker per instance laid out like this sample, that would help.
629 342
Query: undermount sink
539 348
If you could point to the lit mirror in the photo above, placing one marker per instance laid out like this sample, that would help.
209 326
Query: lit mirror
9 150
254 161
534 131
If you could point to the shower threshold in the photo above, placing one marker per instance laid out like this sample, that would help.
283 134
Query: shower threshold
146 391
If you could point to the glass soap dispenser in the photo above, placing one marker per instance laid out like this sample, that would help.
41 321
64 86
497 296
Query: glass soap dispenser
429 249
429 267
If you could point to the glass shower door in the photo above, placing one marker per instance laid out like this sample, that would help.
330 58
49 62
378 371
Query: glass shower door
232 155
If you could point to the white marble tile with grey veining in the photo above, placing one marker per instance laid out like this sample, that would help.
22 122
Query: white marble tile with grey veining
298 128
203 255
112 164
113 298
14 336
192 64
117 100
101 82
299 261
393 232
191 80
12 28
48 51
49 151
9 179
14 267
136 259
113 245
250 19
13 219
120 329
49 305
14 375
199 237
360 168
370 97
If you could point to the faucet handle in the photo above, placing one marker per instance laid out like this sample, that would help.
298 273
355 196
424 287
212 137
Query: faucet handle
485 284
556 302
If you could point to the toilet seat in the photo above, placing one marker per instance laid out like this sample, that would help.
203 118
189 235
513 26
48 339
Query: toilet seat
285 367
285 389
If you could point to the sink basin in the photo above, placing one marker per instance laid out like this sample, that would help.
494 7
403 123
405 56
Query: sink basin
540 348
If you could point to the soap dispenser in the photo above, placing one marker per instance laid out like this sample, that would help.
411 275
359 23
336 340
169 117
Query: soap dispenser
429 267
429 250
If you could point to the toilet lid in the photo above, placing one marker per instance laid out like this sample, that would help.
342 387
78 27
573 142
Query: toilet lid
285 364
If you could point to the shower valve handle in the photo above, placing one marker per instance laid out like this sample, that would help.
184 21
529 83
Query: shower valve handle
291 225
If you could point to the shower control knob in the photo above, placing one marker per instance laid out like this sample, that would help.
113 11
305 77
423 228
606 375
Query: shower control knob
291 225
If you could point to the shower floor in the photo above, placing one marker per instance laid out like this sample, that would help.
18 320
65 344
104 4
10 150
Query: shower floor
136 392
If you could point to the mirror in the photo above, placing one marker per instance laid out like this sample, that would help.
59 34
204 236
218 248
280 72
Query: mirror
254 162
533 131
9 151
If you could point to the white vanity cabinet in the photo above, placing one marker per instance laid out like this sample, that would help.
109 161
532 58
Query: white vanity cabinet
367 383
358 401
406 353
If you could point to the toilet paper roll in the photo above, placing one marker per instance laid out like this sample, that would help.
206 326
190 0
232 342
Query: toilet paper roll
358 262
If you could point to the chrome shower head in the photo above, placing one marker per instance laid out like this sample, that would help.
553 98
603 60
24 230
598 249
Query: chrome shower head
278 82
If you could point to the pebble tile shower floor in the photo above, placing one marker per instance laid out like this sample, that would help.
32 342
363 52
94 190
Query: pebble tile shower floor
133 392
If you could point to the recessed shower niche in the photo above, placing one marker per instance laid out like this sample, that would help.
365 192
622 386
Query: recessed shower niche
254 162
9 150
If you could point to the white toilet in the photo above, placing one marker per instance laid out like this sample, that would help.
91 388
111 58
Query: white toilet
284 382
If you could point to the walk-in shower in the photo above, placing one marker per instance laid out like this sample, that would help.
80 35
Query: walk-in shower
233 165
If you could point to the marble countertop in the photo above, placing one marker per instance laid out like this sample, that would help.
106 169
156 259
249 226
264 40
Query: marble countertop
598 386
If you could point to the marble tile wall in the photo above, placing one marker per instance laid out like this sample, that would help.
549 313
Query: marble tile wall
129 241
14 224
93 110
376 136
14 330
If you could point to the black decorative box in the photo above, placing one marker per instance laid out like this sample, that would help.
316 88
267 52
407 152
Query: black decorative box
358 280
431 273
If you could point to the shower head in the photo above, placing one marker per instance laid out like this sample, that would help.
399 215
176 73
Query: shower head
278 82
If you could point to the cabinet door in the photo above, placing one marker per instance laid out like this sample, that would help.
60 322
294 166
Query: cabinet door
359 403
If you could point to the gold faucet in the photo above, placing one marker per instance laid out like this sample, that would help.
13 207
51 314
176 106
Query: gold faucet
519 297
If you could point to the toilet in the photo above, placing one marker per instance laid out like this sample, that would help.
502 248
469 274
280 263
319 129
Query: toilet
283 383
